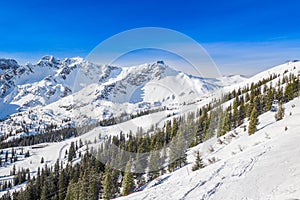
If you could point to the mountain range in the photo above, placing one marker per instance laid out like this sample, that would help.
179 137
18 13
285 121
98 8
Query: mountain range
55 91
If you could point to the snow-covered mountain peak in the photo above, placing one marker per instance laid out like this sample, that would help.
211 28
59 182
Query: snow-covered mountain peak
8 64
49 61
154 71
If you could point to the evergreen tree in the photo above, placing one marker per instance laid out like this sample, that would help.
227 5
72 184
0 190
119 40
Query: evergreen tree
62 185
107 184
38 183
269 99
6 156
172 154
177 153
140 163
83 186
219 124
235 112
211 125
72 152
72 193
154 164
226 125
45 190
242 113
198 163
93 188
14 170
163 158
116 179
30 192
128 181
181 148
253 121
280 113
174 127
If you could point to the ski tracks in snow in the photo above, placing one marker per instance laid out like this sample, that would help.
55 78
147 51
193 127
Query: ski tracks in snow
225 173
202 183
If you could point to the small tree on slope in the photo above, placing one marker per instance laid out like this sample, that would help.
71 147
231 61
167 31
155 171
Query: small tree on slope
280 113
253 121
198 163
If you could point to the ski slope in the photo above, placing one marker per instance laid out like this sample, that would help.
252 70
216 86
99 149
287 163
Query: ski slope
265 165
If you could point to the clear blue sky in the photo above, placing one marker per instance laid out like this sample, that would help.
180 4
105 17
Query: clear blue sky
242 36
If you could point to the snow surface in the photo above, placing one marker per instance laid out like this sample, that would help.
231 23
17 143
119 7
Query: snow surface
265 165
262 166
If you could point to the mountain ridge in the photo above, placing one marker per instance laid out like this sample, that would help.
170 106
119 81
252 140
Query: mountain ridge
54 90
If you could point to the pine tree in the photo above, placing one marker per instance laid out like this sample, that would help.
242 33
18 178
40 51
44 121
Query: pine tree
14 170
62 185
45 190
107 184
198 163
174 127
168 130
242 113
269 100
30 192
211 126
177 153
253 121
154 164
72 152
140 163
235 112
83 186
116 179
280 113
164 154
93 188
72 193
6 156
226 125
172 154
128 181
219 124
181 148
38 183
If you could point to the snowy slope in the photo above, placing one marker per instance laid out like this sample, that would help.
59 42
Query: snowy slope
281 70
265 165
